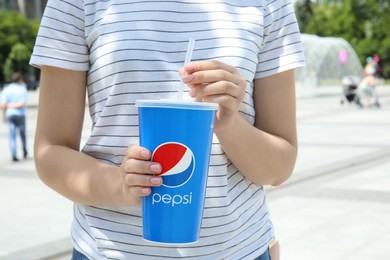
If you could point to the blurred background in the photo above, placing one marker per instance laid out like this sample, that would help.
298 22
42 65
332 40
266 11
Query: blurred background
341 37
19 22
336 205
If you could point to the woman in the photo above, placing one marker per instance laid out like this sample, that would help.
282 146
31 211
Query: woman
118 51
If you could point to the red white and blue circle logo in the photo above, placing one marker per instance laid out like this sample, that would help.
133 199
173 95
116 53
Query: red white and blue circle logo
177 162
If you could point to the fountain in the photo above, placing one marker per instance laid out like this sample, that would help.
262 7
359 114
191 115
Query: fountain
328 60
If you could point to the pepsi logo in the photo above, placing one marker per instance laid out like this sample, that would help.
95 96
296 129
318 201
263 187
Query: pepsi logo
177 162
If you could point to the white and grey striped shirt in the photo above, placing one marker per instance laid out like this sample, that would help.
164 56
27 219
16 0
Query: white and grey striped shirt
133 49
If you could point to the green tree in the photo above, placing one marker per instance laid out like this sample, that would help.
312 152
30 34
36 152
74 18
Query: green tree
364 24
304 12
17 38
17 60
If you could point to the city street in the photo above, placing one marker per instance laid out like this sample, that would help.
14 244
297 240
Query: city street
336 205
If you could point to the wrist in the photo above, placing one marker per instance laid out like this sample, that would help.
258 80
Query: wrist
228 128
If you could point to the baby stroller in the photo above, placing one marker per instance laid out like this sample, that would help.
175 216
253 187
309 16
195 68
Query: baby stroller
350 91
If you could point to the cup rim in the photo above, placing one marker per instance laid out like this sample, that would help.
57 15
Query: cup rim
171 103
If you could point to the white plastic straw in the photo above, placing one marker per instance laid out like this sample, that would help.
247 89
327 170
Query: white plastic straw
187 59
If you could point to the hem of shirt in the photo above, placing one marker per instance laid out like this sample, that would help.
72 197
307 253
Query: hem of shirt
264 74
38 63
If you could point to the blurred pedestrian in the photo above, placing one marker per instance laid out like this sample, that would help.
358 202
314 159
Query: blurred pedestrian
379 71
13 104
368 84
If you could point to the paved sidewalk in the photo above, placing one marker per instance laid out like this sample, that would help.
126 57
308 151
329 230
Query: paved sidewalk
34 220
334 207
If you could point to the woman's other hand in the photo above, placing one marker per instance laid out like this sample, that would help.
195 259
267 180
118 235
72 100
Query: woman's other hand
216 82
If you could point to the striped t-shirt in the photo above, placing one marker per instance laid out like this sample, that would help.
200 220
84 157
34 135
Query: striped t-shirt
132 50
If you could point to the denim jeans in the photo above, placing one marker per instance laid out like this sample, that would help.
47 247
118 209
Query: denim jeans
76 255
15 123
264 256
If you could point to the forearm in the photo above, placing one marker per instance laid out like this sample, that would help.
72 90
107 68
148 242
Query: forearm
17 105
78 177
261 157
266 152
59 163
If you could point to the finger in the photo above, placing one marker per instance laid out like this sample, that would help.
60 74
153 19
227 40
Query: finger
227 104
218 88
209 65
132 180
138 152
141 167
182 72
140 191
209 76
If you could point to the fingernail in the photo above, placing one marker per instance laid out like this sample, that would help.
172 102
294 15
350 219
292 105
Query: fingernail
145 190
155 168
155 180
187 78
145 153
189 67
192 92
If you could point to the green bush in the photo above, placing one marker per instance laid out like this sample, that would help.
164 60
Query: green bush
17 38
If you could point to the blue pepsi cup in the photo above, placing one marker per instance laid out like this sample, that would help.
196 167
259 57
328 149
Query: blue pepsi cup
179 134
